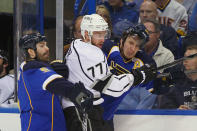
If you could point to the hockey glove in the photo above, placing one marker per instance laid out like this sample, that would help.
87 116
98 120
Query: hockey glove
60 68
113 85
81 97
161 86
144 74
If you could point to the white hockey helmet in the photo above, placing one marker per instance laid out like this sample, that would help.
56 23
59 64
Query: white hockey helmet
93 23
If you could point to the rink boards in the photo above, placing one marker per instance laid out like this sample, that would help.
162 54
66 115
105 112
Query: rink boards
131 120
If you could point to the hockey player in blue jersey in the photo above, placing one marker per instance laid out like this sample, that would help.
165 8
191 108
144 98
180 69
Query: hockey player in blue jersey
39 85
124 58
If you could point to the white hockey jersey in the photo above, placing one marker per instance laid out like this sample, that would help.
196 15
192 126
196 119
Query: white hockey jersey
88 64
173 13
6 90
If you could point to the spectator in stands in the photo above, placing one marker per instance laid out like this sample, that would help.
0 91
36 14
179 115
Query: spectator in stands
7 85
183 41
120 12
189 6
76 28
184 93
76 32
148 10
138 3
154 46
174 14
103 12
193 19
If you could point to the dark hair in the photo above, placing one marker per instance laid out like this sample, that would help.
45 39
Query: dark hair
190 41
29 41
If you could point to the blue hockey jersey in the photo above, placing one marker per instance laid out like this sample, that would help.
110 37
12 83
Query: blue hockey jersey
120 66
40 110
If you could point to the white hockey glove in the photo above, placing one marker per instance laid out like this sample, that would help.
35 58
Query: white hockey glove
113 85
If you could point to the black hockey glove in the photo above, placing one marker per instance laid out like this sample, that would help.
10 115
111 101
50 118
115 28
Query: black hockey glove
161 86
166 80
81 97
144 74
60 68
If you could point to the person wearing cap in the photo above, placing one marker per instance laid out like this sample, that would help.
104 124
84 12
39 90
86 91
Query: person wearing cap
7 85
183 95
39 88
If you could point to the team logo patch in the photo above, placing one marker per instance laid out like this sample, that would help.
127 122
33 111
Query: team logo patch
44 69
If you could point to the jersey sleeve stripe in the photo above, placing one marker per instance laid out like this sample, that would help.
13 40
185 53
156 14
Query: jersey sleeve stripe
114 48
49 79
119 78
120 90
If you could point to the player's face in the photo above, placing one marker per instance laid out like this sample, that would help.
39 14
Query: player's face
98 38
42 51
147 11
190 64
130 47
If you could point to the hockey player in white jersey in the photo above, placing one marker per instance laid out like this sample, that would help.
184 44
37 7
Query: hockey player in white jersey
87 63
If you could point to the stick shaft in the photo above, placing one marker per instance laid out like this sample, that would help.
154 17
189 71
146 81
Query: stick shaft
176 62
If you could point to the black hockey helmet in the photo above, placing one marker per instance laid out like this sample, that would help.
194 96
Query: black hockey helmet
29 41
4 55
139 30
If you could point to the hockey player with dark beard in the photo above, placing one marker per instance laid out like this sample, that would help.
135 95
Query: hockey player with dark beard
39 88
87 63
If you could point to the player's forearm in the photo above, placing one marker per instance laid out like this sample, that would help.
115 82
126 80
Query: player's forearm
60 86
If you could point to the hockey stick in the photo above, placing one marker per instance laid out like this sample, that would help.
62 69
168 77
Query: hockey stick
187 72
176 62
190 71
